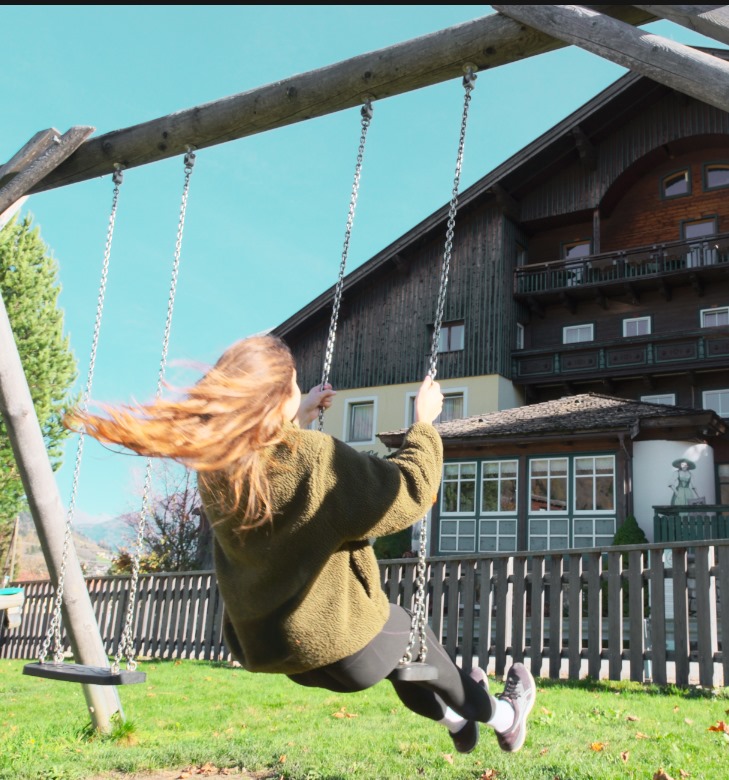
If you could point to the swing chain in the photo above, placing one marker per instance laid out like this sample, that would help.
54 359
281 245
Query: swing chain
468 84
126 642
418 621
366 113
53 635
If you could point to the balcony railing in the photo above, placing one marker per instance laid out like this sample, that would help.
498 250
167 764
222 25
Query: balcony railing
704 348
660 260
698 522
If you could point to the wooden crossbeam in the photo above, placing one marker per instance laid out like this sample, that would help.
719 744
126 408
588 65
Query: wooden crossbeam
709 20
675 65
30 152
486 42
37 160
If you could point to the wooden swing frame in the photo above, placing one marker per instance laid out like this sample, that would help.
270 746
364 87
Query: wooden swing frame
52 159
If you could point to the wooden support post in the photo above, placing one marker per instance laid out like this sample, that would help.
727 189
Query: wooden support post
709 20
26 440
486 42
679 67
37 160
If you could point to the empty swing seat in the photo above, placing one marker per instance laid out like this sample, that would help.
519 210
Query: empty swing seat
414 672
78 673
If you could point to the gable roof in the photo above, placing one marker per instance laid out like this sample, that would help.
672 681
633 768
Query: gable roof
594 120
587 414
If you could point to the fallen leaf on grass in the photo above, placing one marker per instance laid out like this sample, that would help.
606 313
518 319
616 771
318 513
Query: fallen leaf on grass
344 714
282 759
720 726
632 718
597 746
683 774
545 711
544 751
489 774
624 756
641 735
448 757
688 721
661 774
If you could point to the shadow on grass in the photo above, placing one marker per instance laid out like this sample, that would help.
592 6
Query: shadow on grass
591 685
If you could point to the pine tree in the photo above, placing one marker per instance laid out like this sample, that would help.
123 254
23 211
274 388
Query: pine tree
29 287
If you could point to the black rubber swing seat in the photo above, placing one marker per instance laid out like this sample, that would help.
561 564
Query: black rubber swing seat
415 672
78 673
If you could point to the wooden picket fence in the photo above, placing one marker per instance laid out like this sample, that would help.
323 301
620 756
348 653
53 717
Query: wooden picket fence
638 612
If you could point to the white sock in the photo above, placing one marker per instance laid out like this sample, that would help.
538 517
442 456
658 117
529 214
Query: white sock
503 716
453 721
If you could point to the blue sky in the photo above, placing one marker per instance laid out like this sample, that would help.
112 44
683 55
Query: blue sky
266 214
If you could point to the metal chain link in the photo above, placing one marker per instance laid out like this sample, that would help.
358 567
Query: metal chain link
54 630
366 112
126 642
419 617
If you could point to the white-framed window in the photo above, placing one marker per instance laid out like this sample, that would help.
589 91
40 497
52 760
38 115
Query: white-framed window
359 421
454 406
669 399
593 531
457 535
594 483
676 184
549 533
459 489
636 326
714 318
499 491
452 336
585 516
548 489
575 334
497 534
499 486
519 336
718 400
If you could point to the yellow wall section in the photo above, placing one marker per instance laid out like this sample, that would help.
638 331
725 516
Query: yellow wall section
481 394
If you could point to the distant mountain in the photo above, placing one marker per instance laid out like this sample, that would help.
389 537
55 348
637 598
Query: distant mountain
112 534
94 556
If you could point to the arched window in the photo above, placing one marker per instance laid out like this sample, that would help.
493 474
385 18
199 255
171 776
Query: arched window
676 184
716 176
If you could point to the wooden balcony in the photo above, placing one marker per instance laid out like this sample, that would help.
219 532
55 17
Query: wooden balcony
702 349
699 522
625 272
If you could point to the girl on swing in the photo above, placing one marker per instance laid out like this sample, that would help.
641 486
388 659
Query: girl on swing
292 511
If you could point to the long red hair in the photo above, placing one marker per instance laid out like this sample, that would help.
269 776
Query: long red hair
219 427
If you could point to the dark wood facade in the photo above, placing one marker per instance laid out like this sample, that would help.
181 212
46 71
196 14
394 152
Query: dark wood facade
597 178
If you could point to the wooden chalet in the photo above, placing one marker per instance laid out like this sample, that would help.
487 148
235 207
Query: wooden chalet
594 263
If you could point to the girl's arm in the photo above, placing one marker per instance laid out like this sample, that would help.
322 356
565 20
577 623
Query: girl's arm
319 397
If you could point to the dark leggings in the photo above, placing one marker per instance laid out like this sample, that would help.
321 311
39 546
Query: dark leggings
376 661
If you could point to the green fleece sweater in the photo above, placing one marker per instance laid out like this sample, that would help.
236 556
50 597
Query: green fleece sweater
304 591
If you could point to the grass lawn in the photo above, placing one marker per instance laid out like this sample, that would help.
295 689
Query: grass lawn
193 713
